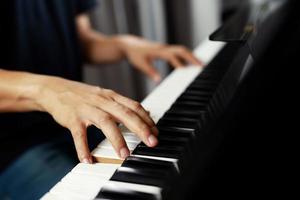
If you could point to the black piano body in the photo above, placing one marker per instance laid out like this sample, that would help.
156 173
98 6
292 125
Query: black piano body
242 148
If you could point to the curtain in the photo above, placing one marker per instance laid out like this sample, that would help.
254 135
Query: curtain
184 22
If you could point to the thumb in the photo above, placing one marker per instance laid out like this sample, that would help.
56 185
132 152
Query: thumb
81 144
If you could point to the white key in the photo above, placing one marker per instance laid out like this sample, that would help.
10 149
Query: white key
91 187
207 50
49 196
99 169
107 145
64 192
105 153
131 138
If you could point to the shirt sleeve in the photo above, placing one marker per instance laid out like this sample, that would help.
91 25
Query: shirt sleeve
84 5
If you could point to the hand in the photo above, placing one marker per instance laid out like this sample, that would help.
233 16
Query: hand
76 106
141 53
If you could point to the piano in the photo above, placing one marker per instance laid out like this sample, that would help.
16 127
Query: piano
200 114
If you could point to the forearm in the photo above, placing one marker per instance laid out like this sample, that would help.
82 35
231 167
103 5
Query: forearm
99 48
19 91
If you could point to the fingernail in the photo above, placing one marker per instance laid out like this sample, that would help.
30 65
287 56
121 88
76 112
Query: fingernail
154 130
152 140
124 153
86 161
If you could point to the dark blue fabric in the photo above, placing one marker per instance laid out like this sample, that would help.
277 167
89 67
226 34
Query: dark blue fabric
37 36
36 171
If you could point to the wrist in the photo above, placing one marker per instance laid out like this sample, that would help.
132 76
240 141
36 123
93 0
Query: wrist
123 43
32 91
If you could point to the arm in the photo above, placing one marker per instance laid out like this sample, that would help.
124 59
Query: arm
76 106
140 52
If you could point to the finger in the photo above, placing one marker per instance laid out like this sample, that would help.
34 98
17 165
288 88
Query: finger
81 144
175 62
105 122
147 68
172 59
131 104
132 121
189 57
136 107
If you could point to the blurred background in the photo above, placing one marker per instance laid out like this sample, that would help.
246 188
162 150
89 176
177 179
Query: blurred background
184 22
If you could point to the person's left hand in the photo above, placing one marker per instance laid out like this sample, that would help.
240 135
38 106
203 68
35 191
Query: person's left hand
141 53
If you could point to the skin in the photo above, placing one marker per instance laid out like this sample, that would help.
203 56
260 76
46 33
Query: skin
77 106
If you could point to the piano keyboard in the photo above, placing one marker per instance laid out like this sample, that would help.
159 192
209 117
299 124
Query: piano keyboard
148 172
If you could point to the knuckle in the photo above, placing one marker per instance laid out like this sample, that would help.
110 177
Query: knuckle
136 106
128 112
98 89
78 133
105 118
144 129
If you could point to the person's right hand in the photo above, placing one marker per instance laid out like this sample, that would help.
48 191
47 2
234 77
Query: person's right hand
76 106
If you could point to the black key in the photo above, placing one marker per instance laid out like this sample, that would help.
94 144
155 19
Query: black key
175 133
180 123
190 105
205 82
193 98
204 94
167 152
118 193
169 143
142 176
180 112
201 88
145 163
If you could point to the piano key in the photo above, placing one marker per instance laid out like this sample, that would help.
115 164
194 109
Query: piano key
50 196
144 163
151 177
104 155
132 138
170 93
180 123
165 143
174 161
107 145
193 98
99 169
74 191
208 50
196 93
191 105
175 152
174 133
108 192
180 112
209 88
122 186
94 176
